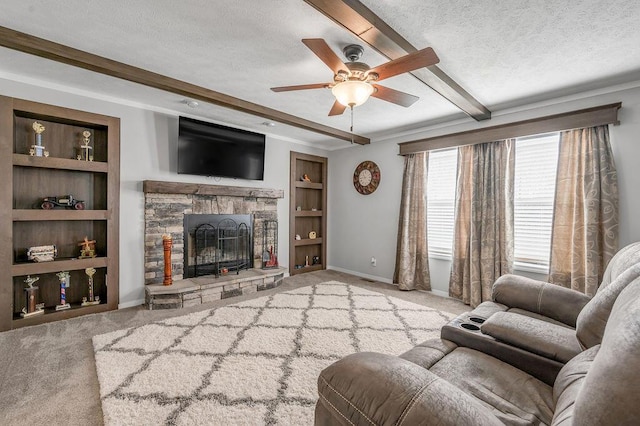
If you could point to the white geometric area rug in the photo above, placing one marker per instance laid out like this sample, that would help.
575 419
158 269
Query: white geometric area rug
251 363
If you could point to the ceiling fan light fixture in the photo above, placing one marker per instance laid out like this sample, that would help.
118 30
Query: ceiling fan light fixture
352 92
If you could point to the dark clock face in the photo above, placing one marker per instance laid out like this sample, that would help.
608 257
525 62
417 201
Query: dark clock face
366 177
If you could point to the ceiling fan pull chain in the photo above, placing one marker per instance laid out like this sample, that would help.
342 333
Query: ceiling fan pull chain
351 129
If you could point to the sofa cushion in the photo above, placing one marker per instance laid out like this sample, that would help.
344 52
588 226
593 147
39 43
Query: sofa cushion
514 397
568 384
428 353
538 317
609 395
540 337
620 262
376 389
486 309
592 320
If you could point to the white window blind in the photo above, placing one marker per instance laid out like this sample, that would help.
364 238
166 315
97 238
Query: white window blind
441 194
535 178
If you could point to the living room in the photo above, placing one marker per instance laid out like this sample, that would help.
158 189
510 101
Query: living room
362 231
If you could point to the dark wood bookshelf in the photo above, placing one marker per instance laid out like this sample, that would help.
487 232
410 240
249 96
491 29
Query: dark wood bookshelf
311 197
23 223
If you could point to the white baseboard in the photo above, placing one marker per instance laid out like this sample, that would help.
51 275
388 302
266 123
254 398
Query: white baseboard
381 279
440 293
131 304
360 274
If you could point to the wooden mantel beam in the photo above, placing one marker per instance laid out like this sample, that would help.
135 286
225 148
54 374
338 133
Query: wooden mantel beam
68 55
159 187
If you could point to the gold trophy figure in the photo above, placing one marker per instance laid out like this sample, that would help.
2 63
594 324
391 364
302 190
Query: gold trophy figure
38 149
91 300
32 308
85 149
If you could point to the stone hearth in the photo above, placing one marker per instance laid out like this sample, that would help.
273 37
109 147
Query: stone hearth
194 291
167 202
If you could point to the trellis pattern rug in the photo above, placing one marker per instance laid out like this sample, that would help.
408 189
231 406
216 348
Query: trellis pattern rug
253 362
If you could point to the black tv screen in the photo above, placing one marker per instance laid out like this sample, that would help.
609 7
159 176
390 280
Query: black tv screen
209 149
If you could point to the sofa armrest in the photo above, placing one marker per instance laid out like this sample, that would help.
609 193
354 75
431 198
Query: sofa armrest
540 337
556 302
369 388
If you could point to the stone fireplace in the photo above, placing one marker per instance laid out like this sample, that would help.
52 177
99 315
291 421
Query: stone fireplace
167 203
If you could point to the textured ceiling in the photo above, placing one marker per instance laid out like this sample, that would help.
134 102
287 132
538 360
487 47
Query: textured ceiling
505 53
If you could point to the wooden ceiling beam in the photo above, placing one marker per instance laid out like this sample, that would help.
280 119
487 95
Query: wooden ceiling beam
370 28
588 117
68 55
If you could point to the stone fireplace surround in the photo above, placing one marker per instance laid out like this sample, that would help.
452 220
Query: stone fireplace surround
165 205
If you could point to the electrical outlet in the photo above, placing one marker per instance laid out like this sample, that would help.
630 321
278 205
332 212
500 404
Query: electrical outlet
374 261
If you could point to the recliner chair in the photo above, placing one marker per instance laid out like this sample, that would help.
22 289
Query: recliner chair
532 324
441 383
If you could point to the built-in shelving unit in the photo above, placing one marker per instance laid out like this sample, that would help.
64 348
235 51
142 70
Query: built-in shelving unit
23 223
307 213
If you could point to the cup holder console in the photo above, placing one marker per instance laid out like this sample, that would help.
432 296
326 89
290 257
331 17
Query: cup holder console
468 326
467 323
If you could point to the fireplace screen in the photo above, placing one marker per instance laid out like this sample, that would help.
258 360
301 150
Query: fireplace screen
217 244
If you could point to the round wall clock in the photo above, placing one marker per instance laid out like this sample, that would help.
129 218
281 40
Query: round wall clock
366 177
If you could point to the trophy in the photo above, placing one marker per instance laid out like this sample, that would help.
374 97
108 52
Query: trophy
38 149
32 308
85 149
88 248
64 278
91 300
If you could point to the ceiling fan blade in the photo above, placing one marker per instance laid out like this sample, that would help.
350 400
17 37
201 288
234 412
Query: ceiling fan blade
326 55
300 87
394 96
412 61
337 108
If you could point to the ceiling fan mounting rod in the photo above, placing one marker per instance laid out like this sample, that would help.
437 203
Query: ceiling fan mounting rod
353 52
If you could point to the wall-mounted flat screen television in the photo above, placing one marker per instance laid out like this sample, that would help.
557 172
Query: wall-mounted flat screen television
209 149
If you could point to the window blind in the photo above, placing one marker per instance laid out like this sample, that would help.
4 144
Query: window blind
441 193
534 187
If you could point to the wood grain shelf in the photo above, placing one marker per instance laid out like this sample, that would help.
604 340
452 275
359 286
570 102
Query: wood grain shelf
59 163
20 269
311 268
308 242
308 213
24 215
50 314
308 185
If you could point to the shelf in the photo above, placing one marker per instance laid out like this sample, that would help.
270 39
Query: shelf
73 264
308 185
308 213
307 242
50 314
24 215
311 268
59 163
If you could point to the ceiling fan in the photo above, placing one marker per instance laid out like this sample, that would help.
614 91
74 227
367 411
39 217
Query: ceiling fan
353 81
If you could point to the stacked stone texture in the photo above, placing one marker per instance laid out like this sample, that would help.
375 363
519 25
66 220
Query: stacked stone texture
164 214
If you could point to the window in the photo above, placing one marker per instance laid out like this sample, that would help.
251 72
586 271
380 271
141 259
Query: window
534 188
441 194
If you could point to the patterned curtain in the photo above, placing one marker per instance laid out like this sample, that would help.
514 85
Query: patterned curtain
483 229
585 222
412 255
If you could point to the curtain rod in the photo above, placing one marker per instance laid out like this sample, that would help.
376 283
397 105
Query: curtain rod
589 117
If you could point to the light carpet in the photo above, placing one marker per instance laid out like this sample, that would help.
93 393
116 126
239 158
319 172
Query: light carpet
250 363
